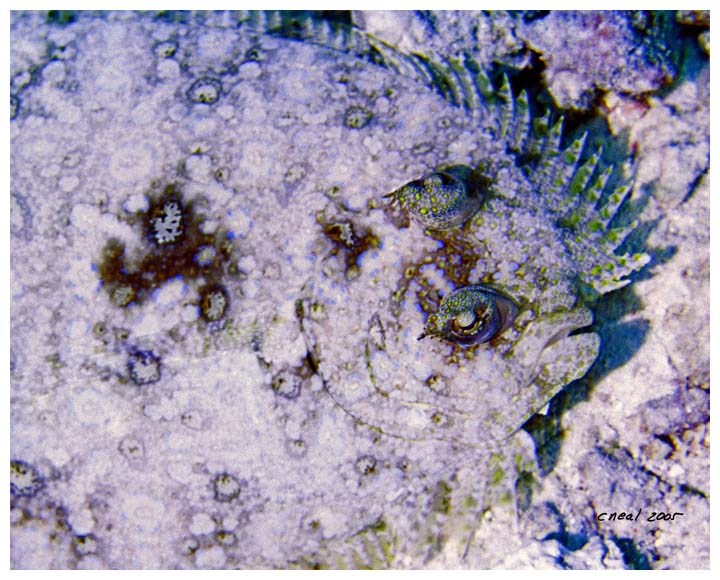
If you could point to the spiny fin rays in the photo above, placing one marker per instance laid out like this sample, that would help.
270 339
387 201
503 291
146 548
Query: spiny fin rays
573 188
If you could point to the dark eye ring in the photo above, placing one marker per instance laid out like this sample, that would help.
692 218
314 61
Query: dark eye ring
472 315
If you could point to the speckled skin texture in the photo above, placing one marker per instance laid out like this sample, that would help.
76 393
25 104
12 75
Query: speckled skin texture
441 200
260 398
471 314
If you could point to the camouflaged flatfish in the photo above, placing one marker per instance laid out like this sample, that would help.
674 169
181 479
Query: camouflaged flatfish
266 212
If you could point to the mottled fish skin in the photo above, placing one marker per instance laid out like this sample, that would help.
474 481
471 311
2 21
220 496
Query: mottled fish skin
288 339
440 200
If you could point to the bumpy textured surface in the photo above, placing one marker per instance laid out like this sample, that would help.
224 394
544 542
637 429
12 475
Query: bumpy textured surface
441 200
583 53
215 316
623 51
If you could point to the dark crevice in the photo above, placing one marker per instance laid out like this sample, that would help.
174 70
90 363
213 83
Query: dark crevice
633 558
696 184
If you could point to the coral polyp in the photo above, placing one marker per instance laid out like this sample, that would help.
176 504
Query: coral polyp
205 90
25 481
144 367
213 303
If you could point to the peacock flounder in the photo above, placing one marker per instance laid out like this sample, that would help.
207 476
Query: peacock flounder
343 439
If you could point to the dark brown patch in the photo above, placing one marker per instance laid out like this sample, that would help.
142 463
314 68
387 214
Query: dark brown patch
455 257
132 279
349 240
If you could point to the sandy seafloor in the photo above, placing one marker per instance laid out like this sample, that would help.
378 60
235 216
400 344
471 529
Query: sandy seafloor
153 436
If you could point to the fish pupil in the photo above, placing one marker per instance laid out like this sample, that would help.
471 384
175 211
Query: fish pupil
466 320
